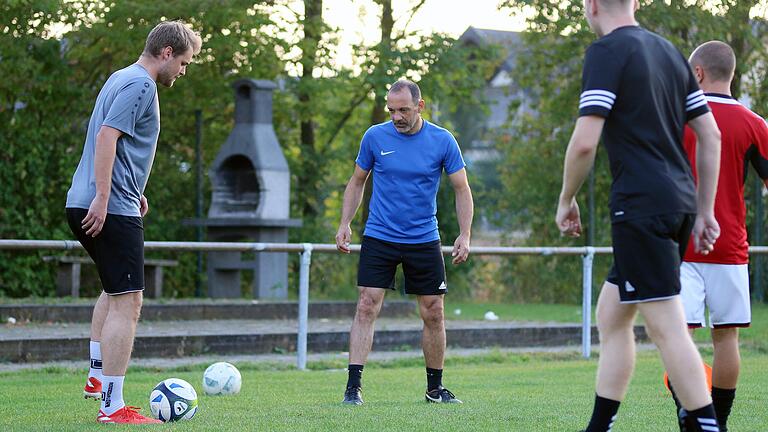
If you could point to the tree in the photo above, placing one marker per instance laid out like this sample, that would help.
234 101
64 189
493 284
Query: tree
48 123
550 67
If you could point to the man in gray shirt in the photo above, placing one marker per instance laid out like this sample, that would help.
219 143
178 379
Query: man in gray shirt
106 203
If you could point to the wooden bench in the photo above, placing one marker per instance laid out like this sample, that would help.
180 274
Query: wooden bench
68 276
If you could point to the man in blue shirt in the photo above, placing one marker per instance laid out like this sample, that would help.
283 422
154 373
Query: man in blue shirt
106 204
407 155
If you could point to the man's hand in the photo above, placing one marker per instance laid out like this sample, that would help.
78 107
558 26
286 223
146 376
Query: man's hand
568 218
343 238
143 206
706 230
460 251
97 214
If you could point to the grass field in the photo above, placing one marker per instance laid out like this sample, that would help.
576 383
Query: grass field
502 391
543 392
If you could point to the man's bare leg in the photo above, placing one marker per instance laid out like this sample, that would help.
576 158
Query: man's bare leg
361 334
92 387
433 336
726 366
665 322
369 303
615 322
117 336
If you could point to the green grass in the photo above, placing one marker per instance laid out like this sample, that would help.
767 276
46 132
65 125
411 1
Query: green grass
501 392
514 312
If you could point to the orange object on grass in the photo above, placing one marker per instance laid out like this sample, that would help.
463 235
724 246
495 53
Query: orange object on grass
707 372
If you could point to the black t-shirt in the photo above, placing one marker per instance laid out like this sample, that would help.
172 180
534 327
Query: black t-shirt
643 87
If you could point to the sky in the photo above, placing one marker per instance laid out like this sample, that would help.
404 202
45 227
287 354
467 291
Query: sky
447 16
358 20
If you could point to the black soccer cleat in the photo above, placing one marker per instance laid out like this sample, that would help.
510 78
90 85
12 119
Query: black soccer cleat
441 395
353 396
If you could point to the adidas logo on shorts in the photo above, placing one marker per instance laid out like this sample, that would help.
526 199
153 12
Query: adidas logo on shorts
628 287
442 286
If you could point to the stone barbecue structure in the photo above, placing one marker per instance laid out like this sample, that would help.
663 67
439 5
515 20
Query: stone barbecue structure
250 199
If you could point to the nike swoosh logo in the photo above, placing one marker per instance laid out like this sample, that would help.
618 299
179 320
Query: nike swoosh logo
383 153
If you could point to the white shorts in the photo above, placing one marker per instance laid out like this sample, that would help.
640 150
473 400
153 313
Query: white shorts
722 288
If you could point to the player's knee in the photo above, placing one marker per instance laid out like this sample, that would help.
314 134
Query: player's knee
662 336
130 305
136 304
725 335
433 314
607 323
367 308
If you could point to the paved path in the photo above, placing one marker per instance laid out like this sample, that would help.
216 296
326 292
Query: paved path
29 331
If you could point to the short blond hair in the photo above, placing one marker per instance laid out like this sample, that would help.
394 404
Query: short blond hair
174 34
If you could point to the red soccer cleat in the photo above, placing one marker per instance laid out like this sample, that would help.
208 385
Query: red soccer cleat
92 388
127 415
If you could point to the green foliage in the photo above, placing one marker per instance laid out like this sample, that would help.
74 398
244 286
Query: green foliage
56 55
533 152
38 136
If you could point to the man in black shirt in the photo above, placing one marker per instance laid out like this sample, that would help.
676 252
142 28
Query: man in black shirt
638 92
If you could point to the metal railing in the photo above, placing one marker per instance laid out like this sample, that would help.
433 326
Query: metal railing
306 250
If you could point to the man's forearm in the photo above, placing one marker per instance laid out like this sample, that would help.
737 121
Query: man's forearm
580 155
104 159
465 209
707 161
353 196
578 162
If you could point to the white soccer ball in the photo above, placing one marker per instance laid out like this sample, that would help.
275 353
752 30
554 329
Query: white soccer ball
173 399
222 378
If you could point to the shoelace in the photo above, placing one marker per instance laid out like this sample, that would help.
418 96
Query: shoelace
133 412
351 391
444 391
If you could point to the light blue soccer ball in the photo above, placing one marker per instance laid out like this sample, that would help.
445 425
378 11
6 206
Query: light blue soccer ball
222 378
172 400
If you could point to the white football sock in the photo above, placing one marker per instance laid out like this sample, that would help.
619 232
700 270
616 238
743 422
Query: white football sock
112 394
95 369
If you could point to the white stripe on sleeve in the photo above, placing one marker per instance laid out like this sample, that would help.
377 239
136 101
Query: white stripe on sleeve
599 98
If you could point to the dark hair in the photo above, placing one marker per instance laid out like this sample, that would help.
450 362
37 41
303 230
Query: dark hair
411 86
716 58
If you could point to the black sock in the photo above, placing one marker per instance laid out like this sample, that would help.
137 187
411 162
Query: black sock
679 406
434 378
603 415
698 420
355 375
722 399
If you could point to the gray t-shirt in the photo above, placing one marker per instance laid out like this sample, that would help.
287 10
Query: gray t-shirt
128 102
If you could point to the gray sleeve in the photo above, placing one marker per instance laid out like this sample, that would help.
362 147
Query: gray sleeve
130 103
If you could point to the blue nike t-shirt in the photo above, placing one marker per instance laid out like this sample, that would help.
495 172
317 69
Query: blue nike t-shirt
406 177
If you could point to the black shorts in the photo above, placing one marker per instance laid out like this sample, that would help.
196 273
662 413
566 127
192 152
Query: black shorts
647 253
118 250
423 266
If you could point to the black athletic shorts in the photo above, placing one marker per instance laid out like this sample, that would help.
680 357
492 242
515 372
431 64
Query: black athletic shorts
118 250
423 266
647 253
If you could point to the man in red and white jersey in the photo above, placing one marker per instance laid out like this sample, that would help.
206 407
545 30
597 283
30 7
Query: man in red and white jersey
719 281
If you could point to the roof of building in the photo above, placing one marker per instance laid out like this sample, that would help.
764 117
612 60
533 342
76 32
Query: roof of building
509 40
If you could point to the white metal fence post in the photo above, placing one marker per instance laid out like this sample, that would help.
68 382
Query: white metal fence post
586 302
301 343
